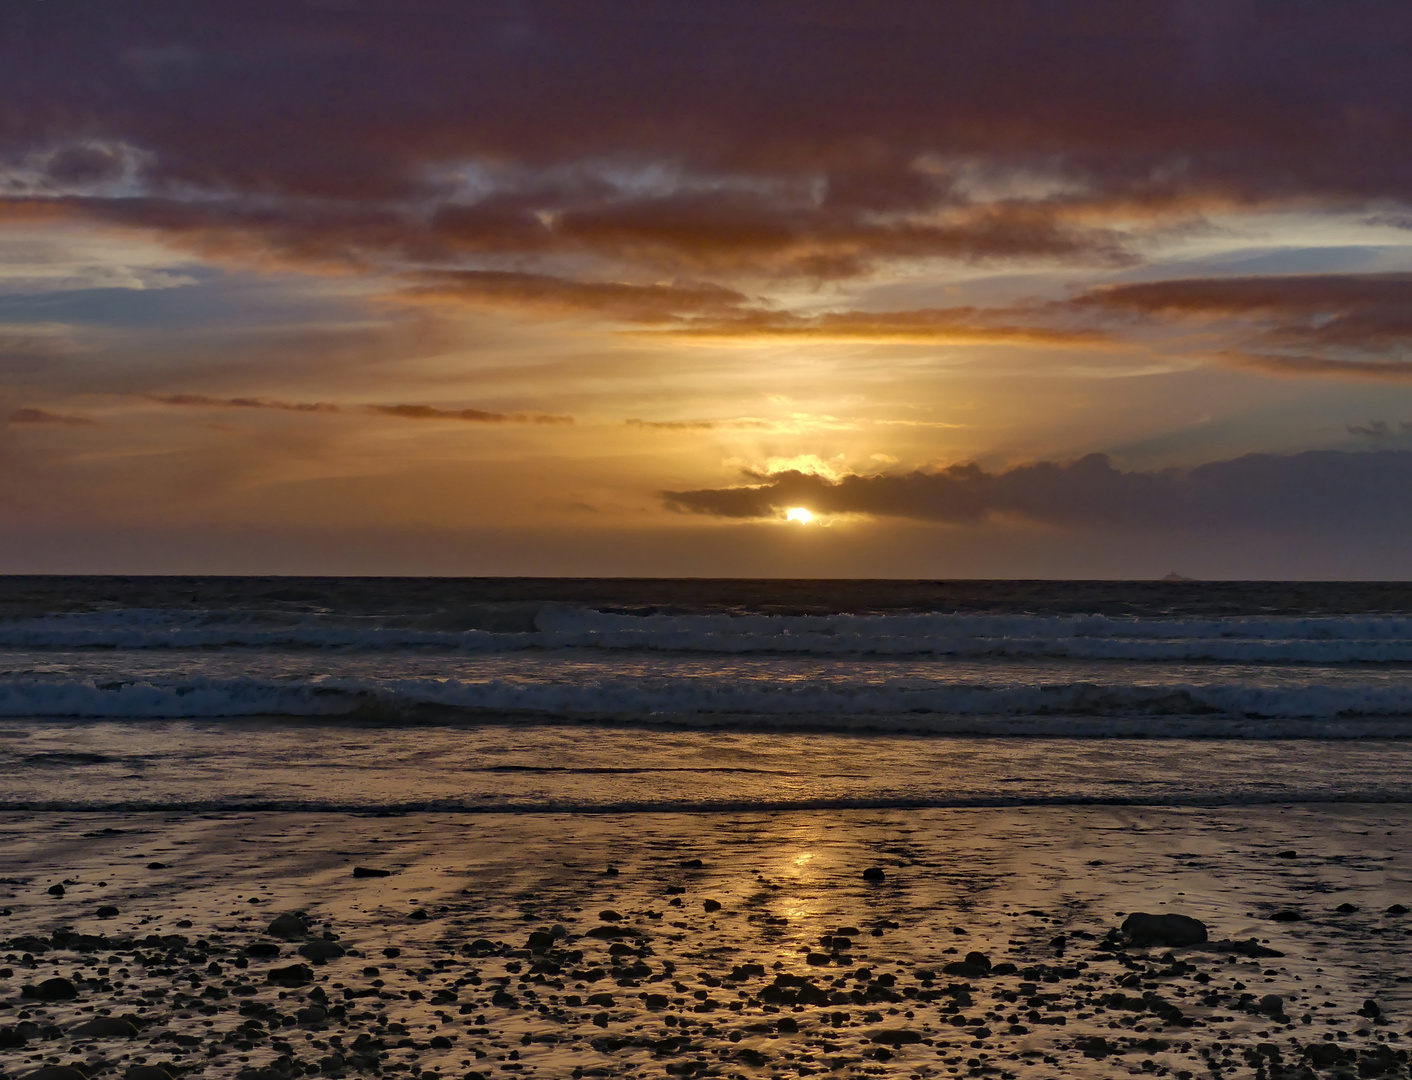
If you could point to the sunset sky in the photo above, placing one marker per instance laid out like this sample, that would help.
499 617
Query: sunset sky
999 288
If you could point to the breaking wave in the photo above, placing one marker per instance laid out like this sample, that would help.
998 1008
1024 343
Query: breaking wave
1307 640
1079 709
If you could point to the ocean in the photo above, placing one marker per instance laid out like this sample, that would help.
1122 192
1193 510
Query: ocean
462 695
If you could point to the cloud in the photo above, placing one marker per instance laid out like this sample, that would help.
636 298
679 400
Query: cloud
1310 492
544 293
477 416
405 412
31 415
957 326
812 139
206 402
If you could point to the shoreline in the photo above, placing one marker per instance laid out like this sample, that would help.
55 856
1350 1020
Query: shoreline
1005 883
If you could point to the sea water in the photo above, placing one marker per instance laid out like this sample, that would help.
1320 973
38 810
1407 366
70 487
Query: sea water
539 694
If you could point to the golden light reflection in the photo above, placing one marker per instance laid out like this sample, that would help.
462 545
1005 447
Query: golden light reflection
799 514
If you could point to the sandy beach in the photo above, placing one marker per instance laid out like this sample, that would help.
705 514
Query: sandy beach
706 944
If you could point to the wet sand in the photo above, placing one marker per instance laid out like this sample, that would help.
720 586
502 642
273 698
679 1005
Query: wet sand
738 945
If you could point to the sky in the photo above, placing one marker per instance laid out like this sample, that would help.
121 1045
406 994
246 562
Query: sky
990 288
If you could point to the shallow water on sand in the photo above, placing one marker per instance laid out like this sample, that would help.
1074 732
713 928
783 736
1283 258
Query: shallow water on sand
649 971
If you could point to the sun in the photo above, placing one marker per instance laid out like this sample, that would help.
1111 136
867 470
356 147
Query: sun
799 514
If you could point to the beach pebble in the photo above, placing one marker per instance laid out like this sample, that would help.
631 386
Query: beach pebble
55 989
293 975
55 890
1346 909
146 1072
711 905
1286 916
321 951
107 912
104 1027
874 873
1396 909
1143 929
1286 854
368 871
157 866
289 927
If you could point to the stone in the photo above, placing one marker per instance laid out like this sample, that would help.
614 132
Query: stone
1346 909
1286 855
368 871
56 989
321 951
55 1072
874 873
1396 909
289 927
896 1036
104 1027
1286 916
711 905
539 940
157 866
1172 930
146 1072
1273 1006
55 890
107 911
293 975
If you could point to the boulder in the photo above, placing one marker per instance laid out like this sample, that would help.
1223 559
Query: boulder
288 927
1143 929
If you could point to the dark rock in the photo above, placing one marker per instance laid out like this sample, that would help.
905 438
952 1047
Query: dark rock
440 1042
51 990
419 915
874 873
1144 929
540 940
1286 855
104 1027
321 951
264 950
147 1072
12 1038
711 905
293 975
55 890
1322 1055
896 1036
1345 909
1286 916
787 1024
107 912
157 866
1249 947
313 1016
609 916
1370 1010
368 871
55 1072
1396 909
1273 1006
288 927
692 864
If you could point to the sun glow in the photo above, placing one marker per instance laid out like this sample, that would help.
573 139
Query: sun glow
799 514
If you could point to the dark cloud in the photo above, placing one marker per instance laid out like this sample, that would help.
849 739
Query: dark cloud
1309 492
476 416
207 402
31 415
805 137
405 412
563 296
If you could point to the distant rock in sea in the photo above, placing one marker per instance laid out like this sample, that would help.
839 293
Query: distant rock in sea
1174 578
